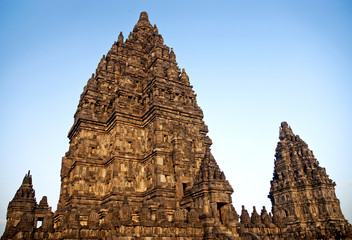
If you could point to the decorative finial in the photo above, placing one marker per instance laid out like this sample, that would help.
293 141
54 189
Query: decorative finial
156 31
27 178
143 16
120 38
184 77
44 202
284 124
285 131
172 55
143 23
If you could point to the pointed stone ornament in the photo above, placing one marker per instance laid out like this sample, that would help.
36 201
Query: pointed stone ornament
184 77
143 23
120 38
44 202
255 218
92 83
265 218
245 219
172 55
26 191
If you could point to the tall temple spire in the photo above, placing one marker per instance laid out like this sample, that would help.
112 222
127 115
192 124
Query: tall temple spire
301 192
132 108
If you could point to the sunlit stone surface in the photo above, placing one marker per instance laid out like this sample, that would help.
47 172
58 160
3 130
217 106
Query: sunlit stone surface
139 165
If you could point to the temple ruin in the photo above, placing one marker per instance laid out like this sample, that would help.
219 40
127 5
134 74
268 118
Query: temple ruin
139 165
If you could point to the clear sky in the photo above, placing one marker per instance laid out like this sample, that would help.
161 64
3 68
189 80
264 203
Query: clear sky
253 64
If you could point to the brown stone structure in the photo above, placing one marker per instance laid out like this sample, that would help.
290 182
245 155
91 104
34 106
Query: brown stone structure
25 218
139 165
301 192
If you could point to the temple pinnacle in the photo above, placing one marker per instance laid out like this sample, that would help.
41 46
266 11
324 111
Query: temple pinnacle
143 22
143 16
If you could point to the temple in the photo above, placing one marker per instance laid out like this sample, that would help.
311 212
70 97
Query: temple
139 165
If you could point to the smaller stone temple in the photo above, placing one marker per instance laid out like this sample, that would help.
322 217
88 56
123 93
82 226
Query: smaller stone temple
139 165
301 192
24 215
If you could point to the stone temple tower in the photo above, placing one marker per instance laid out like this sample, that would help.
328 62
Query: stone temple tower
301 192
24 214
139 165
138 140
138 130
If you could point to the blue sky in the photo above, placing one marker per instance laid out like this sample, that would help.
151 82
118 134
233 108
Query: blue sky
253 64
